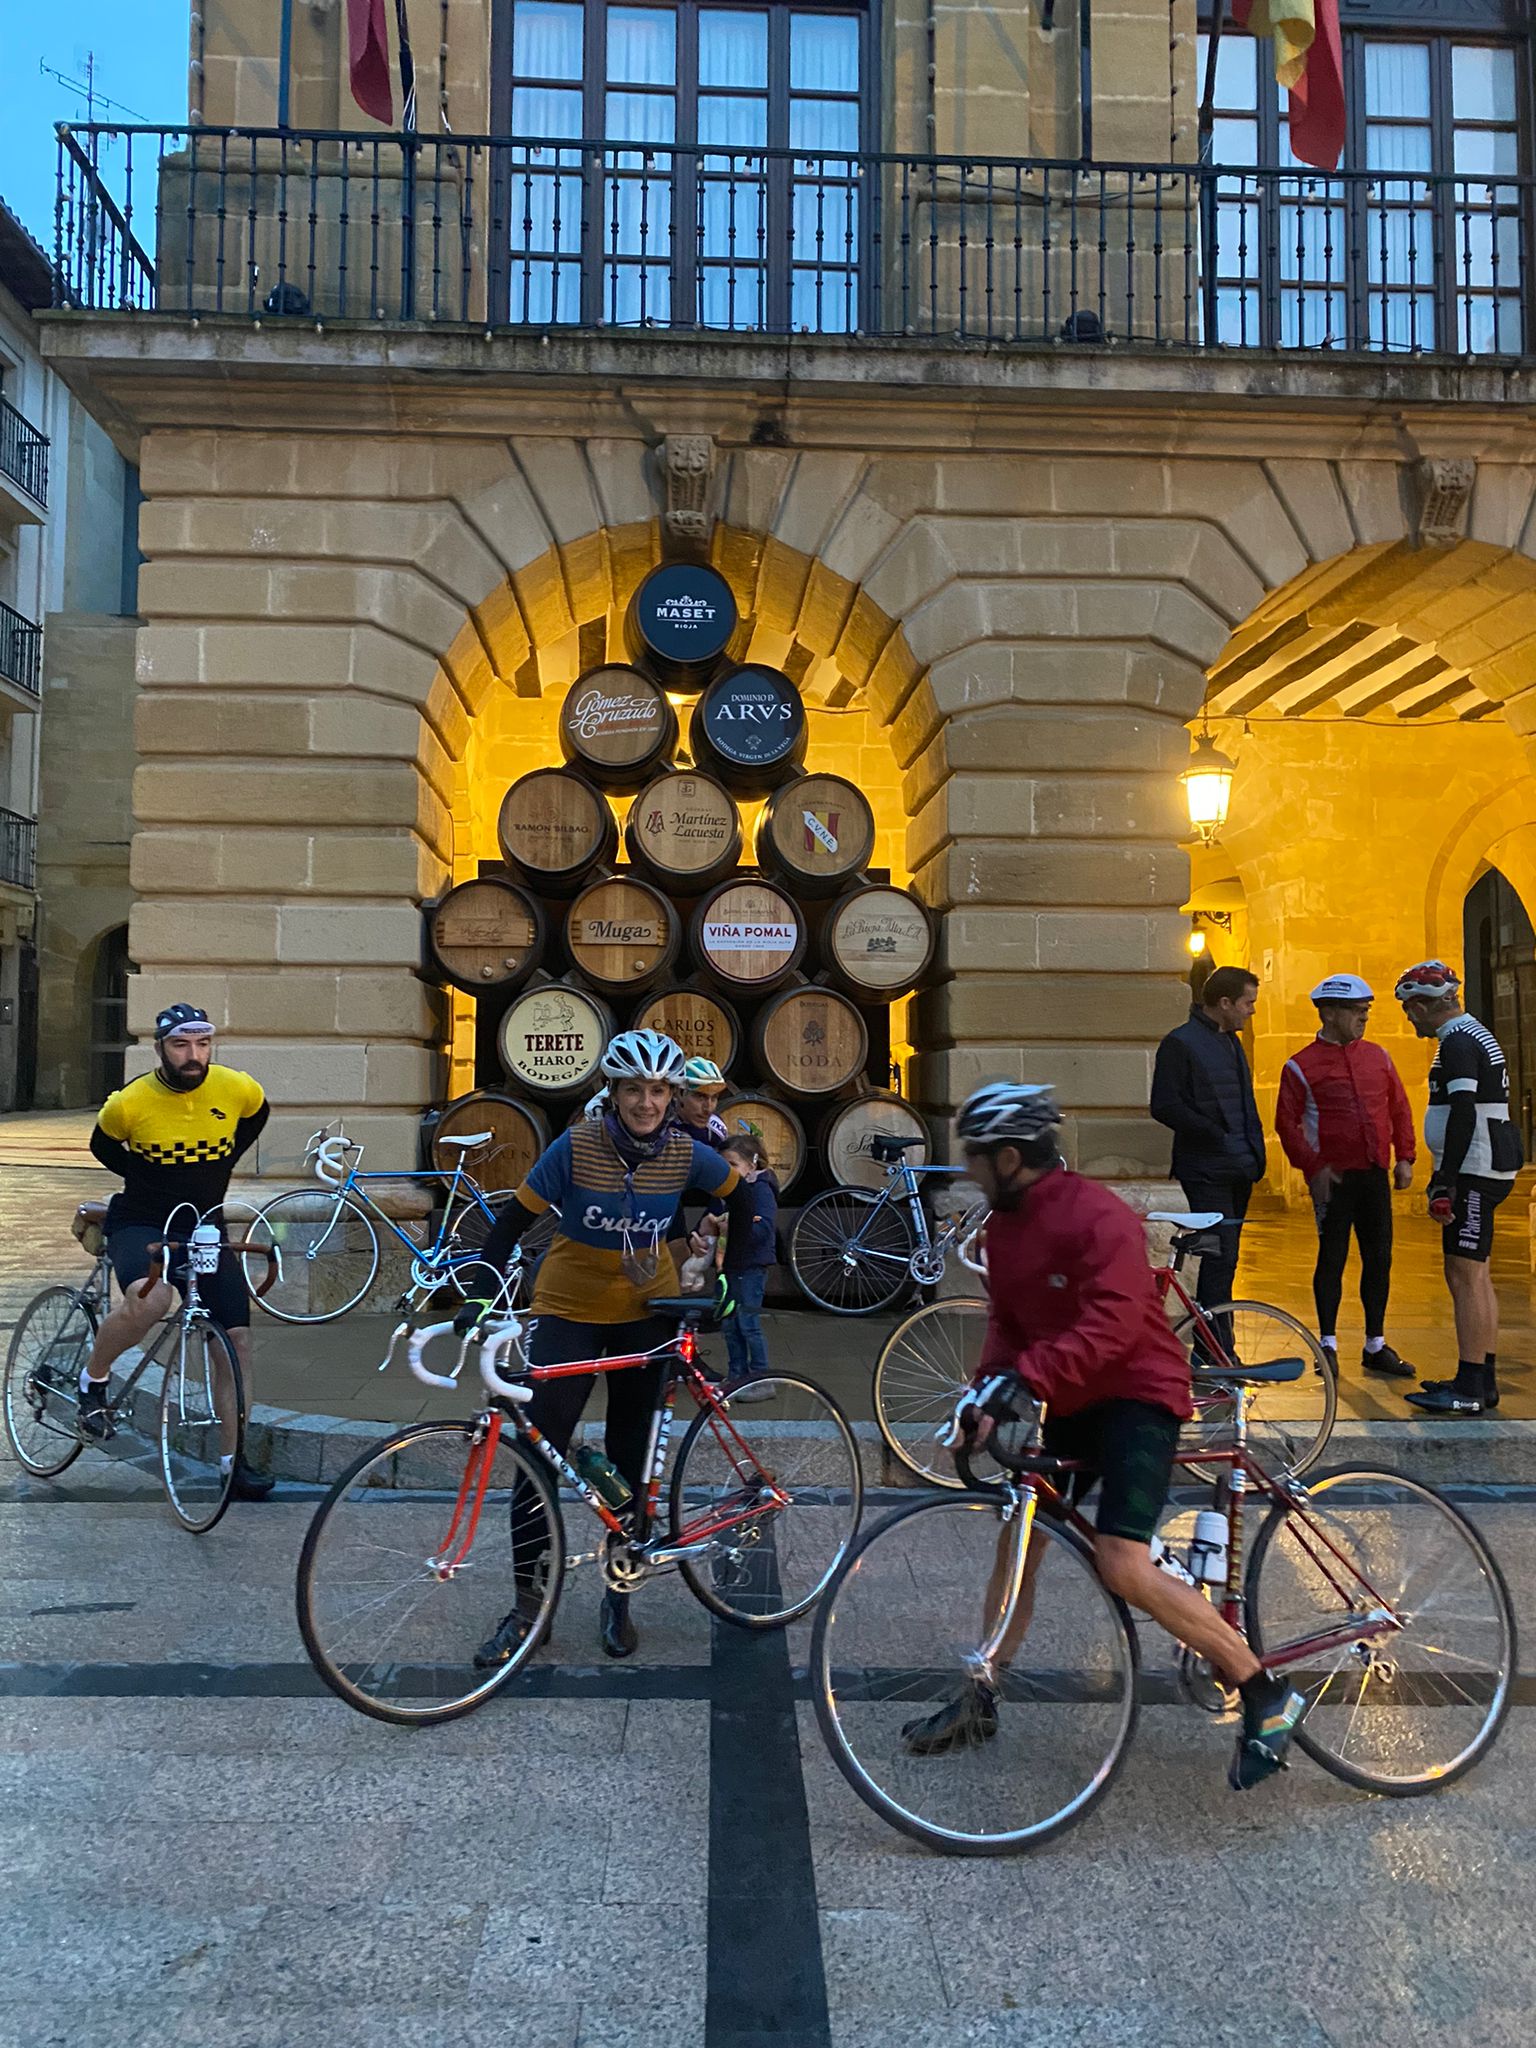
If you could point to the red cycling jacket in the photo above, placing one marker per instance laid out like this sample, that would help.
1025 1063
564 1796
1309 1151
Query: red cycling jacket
1343 1106
1075 1309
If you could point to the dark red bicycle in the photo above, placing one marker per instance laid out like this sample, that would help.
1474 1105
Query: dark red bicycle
1372 1592
408 1565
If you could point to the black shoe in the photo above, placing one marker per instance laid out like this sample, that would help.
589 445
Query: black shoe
511 1632
616 1632
249 1484
96 1410
964 1722
1387 1362
1444 1397
1270 1718
1490 1393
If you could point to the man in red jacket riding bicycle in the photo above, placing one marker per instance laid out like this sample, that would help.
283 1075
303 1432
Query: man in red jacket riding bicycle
1075 1315
1343 1117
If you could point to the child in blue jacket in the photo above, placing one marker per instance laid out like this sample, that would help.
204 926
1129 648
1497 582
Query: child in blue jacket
751 1251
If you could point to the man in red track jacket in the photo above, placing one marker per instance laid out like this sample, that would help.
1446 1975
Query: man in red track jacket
1075 1317
1343 1117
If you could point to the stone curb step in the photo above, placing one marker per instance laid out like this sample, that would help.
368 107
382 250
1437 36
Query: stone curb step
315 1448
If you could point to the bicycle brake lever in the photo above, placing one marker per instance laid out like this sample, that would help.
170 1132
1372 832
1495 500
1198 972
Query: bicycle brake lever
395 1335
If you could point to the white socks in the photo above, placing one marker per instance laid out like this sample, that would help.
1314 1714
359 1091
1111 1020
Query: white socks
1374 1344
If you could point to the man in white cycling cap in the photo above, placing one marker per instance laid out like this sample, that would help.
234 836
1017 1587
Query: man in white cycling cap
1344 1120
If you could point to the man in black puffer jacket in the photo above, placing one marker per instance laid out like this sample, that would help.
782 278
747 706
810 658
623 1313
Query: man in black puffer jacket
1202 1090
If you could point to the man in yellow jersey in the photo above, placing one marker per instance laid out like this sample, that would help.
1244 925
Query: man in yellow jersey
173 1136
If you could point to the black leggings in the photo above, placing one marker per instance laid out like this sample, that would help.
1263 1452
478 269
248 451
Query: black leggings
557 1406
1360 1202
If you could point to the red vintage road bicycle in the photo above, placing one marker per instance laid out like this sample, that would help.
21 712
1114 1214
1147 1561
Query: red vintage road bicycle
1371 1592
930 1358
414 1556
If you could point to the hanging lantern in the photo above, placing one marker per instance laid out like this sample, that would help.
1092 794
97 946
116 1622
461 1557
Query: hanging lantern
1207 788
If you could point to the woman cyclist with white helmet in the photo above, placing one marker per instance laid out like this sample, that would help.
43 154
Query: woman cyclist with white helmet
617 1179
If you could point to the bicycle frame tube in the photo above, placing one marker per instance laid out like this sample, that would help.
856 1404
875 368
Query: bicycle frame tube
1025 1502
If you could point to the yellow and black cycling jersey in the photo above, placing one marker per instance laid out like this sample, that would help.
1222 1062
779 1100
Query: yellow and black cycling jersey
175 1145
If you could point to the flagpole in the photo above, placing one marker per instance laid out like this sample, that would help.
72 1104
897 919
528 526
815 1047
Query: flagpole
284 64
1207 118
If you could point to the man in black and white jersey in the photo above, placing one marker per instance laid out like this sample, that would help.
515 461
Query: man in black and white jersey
1476 1153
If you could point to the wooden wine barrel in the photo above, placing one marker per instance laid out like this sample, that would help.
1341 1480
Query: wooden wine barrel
554 828
810 1040
704 1025
684 829
816 832
552 1038
850 1129
485 934
617 726
679 624
749 729
877 942
519 1132
622 935
777 1129
750 934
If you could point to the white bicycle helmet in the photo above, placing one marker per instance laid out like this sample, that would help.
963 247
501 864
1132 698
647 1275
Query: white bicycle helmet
1342 988
702 1073
644 1056
1429 978
1008 1113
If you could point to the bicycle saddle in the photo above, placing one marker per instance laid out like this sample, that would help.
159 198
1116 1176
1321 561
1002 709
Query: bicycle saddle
692 1308
480 1138
888 1150
1199 1219
1274 1372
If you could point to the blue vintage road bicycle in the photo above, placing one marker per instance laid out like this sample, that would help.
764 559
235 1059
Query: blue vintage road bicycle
857 1250
326 1237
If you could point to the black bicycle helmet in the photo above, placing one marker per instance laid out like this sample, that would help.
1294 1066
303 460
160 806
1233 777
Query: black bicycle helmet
176 1016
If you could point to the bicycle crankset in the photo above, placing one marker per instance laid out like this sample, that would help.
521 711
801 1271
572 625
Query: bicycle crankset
926 1265
623 1567
1202 1687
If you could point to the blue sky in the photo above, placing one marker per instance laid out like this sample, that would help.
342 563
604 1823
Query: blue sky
141 61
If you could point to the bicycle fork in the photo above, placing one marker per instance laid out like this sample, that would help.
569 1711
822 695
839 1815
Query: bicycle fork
449 1557
1018 1515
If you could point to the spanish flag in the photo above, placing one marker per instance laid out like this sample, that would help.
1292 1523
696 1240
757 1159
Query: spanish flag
1309 63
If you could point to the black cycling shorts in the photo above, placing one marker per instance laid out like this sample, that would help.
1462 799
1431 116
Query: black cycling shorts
223 1293
1128 1449
1469 1234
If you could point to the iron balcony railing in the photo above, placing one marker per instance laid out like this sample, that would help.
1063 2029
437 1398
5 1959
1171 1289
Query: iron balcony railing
18 850
541 235
23 452
21 651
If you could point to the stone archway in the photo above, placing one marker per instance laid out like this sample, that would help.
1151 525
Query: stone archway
1369 705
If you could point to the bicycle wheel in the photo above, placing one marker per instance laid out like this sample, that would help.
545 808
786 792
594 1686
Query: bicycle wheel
202 1424
327 1256
775 1490
1415 1711
400 1581
851 1252
923 1366
1288 1425
49 1344
896 1638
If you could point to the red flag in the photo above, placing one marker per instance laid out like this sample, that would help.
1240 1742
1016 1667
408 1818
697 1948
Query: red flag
1317 100
1309 60
368 59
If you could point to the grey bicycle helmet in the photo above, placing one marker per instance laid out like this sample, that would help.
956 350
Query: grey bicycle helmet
1008 1113
644 1056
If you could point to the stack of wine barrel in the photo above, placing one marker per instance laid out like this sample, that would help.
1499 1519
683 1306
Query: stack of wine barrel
777 960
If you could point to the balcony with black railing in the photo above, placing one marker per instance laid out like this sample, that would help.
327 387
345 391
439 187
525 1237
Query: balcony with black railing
18 850
21 651
502 234
23 457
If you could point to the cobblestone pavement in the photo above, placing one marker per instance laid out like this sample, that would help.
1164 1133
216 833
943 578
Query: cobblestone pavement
199 1846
